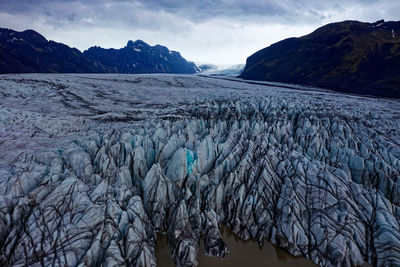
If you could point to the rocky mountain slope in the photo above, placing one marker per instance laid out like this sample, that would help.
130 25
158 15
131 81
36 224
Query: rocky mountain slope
139 57
349 56
93 171
28 51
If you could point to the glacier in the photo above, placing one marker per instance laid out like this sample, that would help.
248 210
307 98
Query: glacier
93 167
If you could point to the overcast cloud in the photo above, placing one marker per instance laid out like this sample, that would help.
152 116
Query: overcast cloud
221 32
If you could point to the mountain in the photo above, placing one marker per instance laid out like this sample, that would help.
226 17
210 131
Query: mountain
349 56
139 57
28 51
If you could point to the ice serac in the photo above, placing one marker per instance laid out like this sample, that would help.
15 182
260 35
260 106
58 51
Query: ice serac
319 181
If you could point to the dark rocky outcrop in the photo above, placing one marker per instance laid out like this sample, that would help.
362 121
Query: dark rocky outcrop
349 56
139 57
28 51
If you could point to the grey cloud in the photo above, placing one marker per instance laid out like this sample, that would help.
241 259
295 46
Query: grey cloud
157 14
102 13
246 25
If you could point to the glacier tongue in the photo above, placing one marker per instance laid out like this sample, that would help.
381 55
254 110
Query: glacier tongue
321 182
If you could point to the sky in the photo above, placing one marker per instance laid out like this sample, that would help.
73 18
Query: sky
221 32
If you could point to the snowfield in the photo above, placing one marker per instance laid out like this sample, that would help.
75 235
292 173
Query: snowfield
92 167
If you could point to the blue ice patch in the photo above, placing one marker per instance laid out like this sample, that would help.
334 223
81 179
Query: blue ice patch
190 159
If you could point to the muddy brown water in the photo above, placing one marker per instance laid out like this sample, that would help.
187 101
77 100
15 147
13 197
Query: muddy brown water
241 253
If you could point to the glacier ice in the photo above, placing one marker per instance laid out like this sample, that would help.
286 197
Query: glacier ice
313 172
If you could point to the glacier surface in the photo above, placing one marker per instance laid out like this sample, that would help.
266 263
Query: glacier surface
93 167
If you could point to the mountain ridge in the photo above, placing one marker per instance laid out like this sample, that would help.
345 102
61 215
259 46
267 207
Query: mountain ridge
28 51
139 57
348 56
